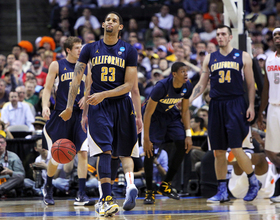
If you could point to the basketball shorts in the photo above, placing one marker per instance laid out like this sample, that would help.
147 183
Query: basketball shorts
272 138
56 128
227 123
112 127
166 126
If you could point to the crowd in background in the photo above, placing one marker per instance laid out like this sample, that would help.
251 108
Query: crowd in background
185 36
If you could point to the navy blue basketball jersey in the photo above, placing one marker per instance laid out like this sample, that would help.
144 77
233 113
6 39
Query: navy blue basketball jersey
166 95
108 63
65 74
226 75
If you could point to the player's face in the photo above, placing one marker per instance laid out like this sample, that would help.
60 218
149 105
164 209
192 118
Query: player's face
276 39
182 74
223 37
112 24
76 50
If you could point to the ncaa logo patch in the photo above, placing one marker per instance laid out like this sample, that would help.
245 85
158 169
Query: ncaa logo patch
237 54
184 90
122 49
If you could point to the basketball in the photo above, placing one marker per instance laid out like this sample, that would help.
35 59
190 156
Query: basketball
63 151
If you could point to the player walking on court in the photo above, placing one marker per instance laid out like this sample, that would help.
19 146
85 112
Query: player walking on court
270 94
56 128
162 119
229 115
111 118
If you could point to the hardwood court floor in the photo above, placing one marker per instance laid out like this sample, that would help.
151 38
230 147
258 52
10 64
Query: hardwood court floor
165 208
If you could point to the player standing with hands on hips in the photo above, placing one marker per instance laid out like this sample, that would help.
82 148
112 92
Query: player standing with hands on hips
111 118
229 115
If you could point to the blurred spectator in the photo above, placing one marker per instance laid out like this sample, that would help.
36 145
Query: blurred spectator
12 175
209 33
194 7
4 95
181 13
30 93
261 18
133 27
26 46
108 3
48 58
37 69
213 15
261 60
154 61
267 6
17 72
60 50
26 64
186 32
156 76
198 23
87 16
17 113
4 132
81 4
21 98
16 49
10 60
256 37
197 125
37 43
195 40
162 52
9 80
130 3
2 63
88 37
155 31
141 68
177 25
66 27
174 37
211 47
203 113
271 24
56 36
165 19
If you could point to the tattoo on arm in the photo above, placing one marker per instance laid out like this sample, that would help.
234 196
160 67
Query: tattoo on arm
79 68
197 91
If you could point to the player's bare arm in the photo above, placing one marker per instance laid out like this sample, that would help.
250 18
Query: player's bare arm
88 83
186 121
201 85
264 102
147 144
135 96
73 90
249 76
130 73
53 71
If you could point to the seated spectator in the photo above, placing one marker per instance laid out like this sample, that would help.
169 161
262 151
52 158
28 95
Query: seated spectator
87 16
21 98
88 37
198 23
38 70
2 63
261 18
4 95
209 33
213 14
156 76
133 27
131 3
17 113
12 172
203 113
26 64
165 19
155 31
108 3
48 58
4 132
82 4
26 46
9 79
197 125
194 7
16 49
18 72
30 93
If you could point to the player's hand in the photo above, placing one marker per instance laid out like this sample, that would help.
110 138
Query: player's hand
148 148
139 125
95 98
250 114
261 125
46 113
84 123
188 144
81 103
66 114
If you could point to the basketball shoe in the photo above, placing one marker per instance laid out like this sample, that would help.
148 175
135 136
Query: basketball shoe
110 208
130 198
82 199
222 194
48 195
166 189
275 199
99 208
149 197
254 186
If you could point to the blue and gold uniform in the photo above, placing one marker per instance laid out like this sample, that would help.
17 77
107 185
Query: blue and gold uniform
227 124
56 128
166 120
112 123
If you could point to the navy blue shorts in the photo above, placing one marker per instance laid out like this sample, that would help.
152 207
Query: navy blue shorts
227 123
166 126
112 127
56 128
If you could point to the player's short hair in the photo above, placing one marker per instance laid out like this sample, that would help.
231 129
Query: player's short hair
69 43
225 26
116 13
175 66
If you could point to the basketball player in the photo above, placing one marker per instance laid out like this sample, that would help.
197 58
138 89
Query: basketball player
162 119
229 115
111 117
56 128
270 94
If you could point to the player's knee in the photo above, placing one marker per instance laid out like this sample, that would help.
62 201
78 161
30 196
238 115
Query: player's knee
219 153
104 166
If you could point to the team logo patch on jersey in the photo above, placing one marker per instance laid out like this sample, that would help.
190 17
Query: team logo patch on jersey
65 68
97 51
120 53
215 60
122 49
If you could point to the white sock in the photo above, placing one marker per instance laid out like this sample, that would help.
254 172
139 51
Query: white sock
129 177
100 190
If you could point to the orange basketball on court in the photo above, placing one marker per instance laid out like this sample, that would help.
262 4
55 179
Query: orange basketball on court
63 151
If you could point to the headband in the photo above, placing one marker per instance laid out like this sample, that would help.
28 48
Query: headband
275 30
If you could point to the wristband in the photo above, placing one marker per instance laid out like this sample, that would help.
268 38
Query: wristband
188 133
